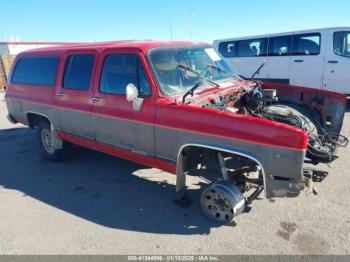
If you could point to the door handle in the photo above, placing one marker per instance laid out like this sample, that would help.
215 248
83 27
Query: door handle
298 61
60 94
332 61
96 99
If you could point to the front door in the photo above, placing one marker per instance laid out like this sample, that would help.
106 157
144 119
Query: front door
337 66
75 94
115 121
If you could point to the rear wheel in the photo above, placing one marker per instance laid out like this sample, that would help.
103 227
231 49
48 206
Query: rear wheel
48 142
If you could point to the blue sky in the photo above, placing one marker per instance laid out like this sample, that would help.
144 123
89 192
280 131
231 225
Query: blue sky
103 20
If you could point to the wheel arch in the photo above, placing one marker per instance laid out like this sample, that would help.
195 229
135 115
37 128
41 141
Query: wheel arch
33 118
181 176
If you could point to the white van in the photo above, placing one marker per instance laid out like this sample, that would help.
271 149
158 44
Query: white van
317 58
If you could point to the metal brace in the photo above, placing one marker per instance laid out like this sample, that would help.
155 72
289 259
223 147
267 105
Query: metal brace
223 167
309 183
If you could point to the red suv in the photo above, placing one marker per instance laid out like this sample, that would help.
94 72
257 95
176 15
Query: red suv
179 107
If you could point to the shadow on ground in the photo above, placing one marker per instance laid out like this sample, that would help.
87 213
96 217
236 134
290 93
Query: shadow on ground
98 187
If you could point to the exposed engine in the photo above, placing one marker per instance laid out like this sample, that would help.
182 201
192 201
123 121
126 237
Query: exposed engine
263 103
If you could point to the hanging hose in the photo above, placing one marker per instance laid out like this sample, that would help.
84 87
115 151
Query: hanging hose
321 146
254 101
336 139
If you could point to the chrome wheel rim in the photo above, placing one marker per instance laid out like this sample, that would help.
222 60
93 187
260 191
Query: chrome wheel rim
46 139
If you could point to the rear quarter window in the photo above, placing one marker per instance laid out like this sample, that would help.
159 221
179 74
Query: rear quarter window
36 70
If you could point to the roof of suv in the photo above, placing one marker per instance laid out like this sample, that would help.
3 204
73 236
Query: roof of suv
143 45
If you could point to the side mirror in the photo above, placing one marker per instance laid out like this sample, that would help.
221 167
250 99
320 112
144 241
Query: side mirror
132 94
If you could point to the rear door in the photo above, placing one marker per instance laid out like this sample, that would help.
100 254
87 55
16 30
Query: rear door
307 60
115 121
75 93
278 62
337 66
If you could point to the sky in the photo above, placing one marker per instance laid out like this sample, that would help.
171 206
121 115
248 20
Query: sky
106 20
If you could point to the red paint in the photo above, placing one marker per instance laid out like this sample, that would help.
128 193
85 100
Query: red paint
143 160
112 105
158 110
289 89
248 129
266 141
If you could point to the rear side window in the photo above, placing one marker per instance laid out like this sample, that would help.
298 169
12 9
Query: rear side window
252 47
228 49
40 70
341 43
306 44
119 70
78 71
280 46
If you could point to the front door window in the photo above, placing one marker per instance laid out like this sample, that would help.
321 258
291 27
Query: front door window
341 44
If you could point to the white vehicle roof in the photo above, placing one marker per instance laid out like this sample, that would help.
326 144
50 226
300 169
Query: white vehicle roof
344 28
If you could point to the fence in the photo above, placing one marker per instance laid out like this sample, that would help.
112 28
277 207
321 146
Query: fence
5 67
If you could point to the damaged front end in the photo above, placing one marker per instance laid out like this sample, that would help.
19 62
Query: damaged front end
317 118
325 112
319 113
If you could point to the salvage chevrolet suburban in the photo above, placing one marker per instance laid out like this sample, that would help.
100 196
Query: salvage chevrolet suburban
179 107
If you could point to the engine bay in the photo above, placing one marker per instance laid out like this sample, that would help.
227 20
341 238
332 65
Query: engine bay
253 100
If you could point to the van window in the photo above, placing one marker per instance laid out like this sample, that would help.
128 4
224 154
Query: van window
341 43
306 44
280 45
78 71
119 70
251 48
36 70
228 49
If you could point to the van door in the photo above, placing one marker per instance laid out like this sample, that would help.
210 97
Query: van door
307 60
278 62
253 54
115 121
337 66
228 50
75 93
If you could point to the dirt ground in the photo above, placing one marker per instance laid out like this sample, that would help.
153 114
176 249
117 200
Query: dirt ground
98 204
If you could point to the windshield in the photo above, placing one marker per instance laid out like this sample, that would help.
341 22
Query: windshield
341 43
178 69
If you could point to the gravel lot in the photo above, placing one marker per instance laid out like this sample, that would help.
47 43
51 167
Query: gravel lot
97 204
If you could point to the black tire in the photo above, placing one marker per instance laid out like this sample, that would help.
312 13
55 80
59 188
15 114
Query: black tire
44 130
